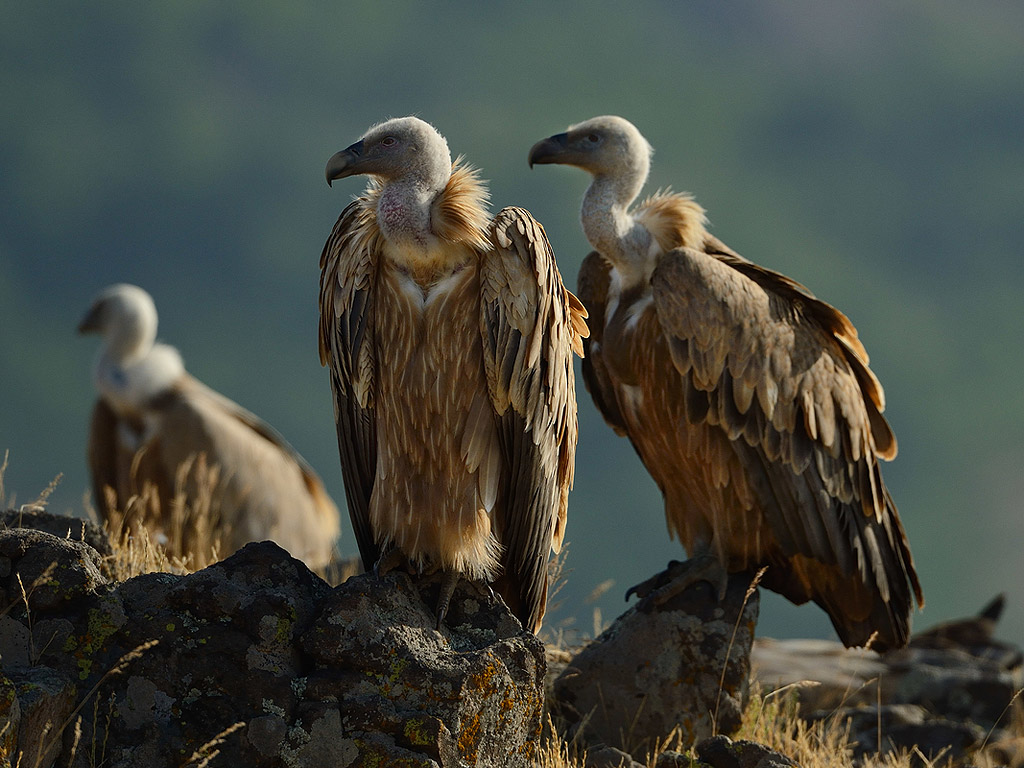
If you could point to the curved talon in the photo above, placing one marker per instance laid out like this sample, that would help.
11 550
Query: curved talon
658 580
679 576
444 598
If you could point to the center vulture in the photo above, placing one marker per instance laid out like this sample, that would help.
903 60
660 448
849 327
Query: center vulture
449 338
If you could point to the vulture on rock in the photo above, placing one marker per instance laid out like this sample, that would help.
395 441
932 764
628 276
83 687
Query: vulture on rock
161 439
749 400
449 339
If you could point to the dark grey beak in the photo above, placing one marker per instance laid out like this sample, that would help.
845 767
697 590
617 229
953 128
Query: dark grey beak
344 163
91 322
548 150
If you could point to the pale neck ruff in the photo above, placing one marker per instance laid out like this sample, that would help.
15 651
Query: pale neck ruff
128 385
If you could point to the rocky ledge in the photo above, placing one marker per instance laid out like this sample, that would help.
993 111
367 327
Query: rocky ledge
257 661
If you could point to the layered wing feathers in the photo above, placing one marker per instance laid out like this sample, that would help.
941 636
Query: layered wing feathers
592 285
347 269
785 377
530 326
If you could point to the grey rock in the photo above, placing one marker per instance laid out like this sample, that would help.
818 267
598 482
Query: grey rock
266 734
672 759
46 571
472 692
15 643
46 699
357 675
659 668
61 526
10 718
956 684
610 757
721 752
948 689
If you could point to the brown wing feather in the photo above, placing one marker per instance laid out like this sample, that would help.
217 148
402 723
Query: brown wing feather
592 285
347 347
322 508
258 487
530 325
124 467
784 376
102 455
831 320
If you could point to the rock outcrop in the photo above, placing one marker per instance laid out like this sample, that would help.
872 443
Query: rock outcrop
681 665
258 660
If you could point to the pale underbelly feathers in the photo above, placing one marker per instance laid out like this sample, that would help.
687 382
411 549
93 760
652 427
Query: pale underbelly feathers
438 459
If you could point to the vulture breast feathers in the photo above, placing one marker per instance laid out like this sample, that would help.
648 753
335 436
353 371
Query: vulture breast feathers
187 462
449 339
749 400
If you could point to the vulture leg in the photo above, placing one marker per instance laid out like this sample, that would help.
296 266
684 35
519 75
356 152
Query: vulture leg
444 598
663 586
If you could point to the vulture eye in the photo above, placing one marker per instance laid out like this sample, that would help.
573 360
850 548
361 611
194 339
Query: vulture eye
388 141
593 138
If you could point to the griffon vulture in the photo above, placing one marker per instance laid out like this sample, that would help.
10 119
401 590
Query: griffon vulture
449 338
749 401
155 425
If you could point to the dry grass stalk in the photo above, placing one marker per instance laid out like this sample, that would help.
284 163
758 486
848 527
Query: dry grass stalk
185 538
3 493
207 752
774 721
751 589
122 664
39 504
44 496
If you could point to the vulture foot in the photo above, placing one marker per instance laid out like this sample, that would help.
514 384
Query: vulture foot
444 598
663 586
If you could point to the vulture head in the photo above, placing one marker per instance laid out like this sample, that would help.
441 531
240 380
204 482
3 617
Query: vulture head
614 152
602 146
125 316
397 149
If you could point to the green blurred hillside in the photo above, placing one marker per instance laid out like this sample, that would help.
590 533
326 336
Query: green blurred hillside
874 152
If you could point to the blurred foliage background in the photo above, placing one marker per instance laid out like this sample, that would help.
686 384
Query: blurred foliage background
873 151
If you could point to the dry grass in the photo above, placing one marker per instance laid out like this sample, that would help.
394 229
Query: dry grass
188 536
38 504
184 538
773 722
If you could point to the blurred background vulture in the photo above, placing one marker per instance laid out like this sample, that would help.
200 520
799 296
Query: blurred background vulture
749 401
196 469
449 339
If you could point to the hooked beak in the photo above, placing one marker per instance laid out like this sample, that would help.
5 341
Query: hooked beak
344 163
549 150
91 322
